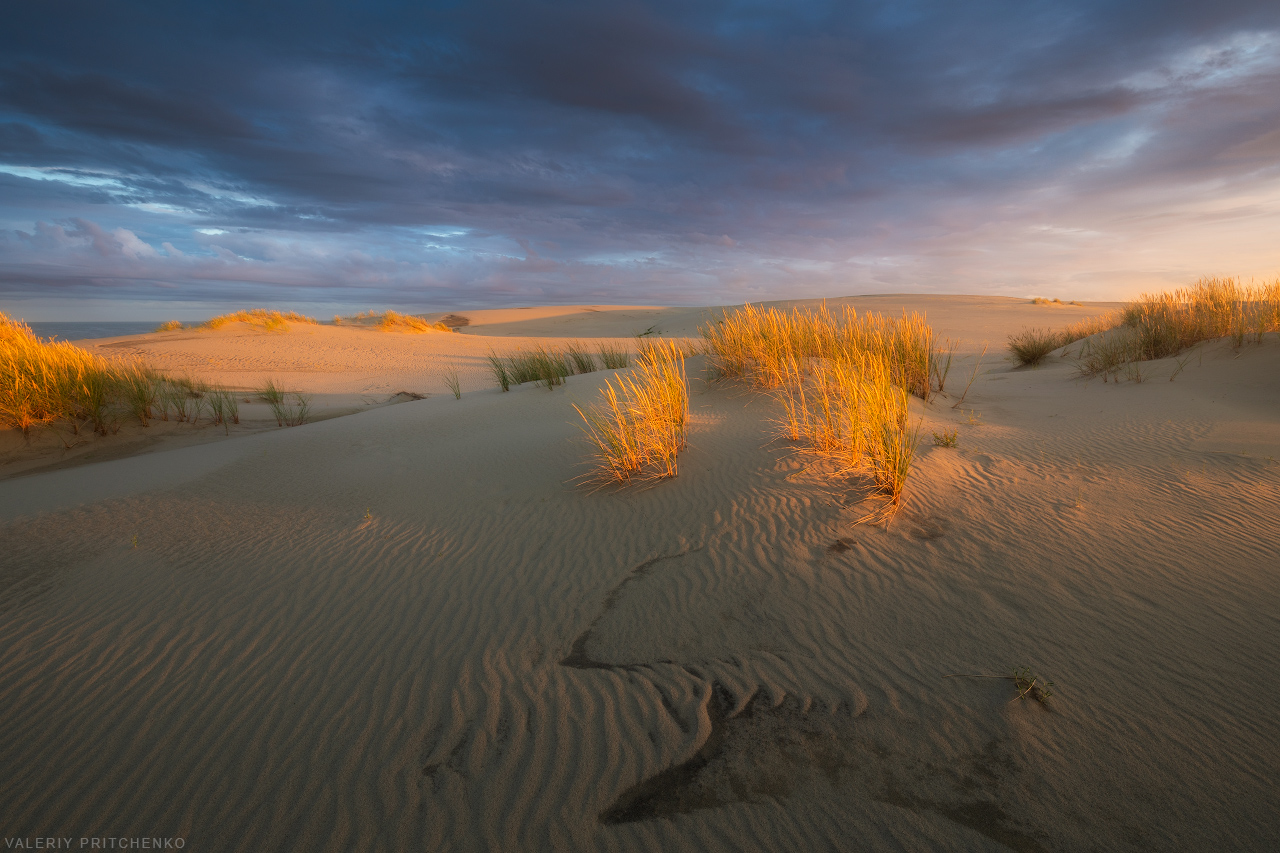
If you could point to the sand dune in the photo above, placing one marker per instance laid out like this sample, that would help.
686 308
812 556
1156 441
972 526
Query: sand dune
407 628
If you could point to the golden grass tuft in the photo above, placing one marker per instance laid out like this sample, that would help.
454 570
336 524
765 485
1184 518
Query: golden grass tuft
758 344
844 383
1168 323
43 382
391 321
274 321
169 326
1164 325
640 426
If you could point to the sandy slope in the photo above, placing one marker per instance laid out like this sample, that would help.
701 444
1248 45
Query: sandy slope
406 629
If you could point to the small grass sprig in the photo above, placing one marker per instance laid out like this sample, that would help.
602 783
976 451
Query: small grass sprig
454 385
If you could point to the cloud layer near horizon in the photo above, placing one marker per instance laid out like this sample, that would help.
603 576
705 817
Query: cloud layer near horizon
456 155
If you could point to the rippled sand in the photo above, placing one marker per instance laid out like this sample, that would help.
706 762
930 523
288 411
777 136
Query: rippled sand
407 628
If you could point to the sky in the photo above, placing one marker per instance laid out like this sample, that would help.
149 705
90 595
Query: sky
169 160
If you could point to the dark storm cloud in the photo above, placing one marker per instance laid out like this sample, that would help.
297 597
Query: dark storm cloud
423 154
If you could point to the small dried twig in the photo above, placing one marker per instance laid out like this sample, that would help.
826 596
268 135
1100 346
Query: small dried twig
1026 682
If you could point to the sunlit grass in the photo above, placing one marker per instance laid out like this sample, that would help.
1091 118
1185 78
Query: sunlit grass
843 383
758 344
391 321
44 382
1164 325
275 321
639 427
1161 325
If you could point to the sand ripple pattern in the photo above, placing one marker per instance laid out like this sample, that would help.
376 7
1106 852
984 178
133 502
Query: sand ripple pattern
430 640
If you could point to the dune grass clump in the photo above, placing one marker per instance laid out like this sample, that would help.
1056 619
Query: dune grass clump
391 321
1167 324
1030 346
583 362
614 357
640 426
169 326
274 321
43 382
758 344
286 413
547 366
844 383
224 408
851 410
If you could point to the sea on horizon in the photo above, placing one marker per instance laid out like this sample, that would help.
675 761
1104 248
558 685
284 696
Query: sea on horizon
90 329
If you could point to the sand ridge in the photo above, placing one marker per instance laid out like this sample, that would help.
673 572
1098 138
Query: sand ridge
408 629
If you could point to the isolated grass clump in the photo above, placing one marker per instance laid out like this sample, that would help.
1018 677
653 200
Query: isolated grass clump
1030 346
169 326
287 413
275 321
639 427
43 382
453 383
946 438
